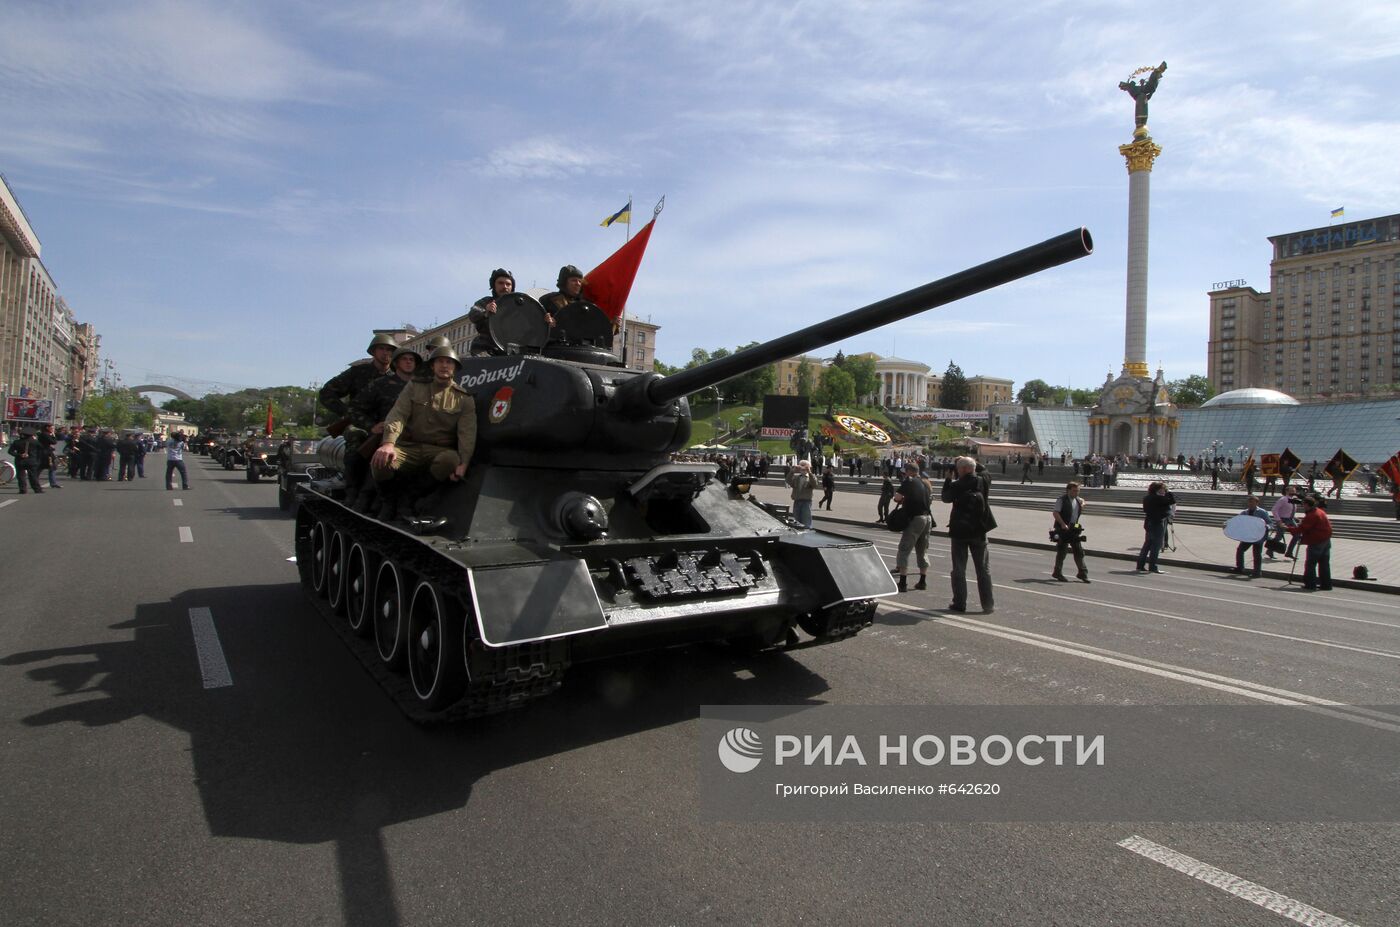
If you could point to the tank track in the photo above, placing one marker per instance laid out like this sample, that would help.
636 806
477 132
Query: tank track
840 621
499 678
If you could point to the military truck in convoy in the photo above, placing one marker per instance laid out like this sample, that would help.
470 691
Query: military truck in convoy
296 463
574 535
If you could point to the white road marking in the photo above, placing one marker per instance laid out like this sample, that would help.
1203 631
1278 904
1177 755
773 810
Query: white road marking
179 501
1214 624
186 536
1253 892
292 559
1254 603
212 665
1241 687
8 502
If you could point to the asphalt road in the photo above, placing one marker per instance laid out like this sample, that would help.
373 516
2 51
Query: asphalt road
291 791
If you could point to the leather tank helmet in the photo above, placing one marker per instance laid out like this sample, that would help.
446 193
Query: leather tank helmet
567 271
497 274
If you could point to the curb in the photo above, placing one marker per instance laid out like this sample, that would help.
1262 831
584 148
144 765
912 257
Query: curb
1369 586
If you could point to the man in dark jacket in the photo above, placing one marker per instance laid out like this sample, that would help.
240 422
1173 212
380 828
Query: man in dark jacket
126 458
106 447
368 413
27 452
1068 508
502 282
1157 510
967 532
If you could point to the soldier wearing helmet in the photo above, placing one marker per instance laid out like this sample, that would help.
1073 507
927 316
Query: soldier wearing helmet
372 405
341 389
339 394
441 418
570 283
367 413
501 282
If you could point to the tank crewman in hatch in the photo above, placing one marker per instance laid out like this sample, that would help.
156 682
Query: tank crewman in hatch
372 406
502 282
570 283
441 417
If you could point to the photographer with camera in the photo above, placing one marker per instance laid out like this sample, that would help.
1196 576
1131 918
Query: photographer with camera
1067 534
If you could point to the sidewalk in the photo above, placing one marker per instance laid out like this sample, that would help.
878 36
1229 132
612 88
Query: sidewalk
1197 546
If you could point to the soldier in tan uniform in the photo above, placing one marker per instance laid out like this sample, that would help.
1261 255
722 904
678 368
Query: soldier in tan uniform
440 417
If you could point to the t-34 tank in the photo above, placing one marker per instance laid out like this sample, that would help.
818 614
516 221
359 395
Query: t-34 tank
574 535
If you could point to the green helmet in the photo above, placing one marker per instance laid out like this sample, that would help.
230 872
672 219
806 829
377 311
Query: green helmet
405 350
381 339
445 351
567 271
439 341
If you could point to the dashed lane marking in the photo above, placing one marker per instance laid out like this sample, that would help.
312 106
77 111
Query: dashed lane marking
186 535
212 665
1266 898
179 501
7 502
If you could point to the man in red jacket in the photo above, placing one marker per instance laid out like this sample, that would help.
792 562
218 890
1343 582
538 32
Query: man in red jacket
1315 533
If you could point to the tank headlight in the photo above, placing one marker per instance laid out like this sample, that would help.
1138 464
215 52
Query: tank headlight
579 515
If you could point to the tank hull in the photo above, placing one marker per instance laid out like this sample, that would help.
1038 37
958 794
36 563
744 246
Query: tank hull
526 601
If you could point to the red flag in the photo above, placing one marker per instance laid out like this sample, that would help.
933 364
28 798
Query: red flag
610 283
267 430
1391 469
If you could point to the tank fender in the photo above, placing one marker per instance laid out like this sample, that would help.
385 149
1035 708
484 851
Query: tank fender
526 602
839 572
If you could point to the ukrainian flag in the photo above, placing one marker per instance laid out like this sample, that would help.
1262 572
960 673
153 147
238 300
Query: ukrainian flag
1336 213
622 215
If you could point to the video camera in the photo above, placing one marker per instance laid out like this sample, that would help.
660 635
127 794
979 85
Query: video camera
1070 534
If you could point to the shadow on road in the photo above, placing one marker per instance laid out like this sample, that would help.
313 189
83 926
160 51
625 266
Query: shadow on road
305 748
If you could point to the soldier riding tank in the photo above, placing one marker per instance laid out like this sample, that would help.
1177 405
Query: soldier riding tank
574 536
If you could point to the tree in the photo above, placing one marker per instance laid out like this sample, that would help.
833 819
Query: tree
664 369
117 409
863 376
1083 397
839 360
837 388
1032 392
955 390
804 378
750 388
1190 392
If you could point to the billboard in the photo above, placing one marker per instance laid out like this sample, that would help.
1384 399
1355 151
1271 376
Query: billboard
29 410
786 411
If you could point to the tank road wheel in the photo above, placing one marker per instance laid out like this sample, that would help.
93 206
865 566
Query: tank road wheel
301 546
335 571
359 592
436 665
319 541
390 626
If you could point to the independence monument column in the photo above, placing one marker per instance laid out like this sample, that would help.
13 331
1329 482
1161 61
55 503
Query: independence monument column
1134 414
1139 155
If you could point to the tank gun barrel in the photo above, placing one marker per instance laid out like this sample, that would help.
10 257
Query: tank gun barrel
1049 253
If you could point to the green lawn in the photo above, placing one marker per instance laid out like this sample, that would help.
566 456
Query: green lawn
703 421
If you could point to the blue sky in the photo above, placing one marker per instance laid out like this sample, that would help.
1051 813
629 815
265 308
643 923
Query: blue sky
239 192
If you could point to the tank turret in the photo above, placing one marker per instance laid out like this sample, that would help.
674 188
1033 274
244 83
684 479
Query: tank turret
574 535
